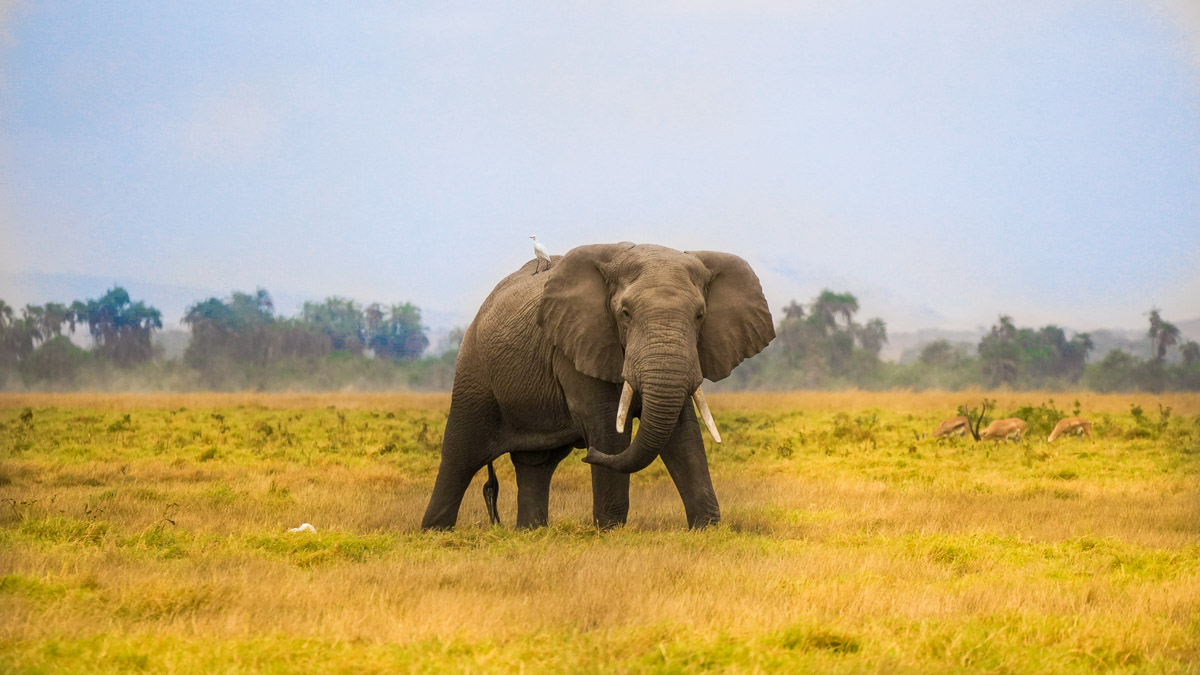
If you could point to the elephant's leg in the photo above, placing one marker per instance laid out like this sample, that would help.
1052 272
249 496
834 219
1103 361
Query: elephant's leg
452 482
686 462
610 489
593 405
465 450
534 470
610 497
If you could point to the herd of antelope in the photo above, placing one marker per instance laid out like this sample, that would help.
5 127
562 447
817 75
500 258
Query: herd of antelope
1010 429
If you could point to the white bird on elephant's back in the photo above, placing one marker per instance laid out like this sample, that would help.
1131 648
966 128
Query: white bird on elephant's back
539 250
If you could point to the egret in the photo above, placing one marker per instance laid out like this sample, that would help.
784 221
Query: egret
304 527
539 250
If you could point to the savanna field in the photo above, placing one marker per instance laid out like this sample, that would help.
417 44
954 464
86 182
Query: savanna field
149 532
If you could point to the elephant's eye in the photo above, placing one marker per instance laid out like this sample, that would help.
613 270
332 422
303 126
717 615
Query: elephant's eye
700 315
625 313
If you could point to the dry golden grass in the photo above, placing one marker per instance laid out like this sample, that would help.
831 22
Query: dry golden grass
849 401
157 541
947 401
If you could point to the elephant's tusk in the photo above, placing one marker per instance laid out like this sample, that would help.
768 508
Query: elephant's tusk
623 407
706 414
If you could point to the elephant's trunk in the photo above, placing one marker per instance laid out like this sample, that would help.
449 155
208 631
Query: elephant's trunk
665 390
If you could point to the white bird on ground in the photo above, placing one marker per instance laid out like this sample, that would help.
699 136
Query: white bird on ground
539 250
304 527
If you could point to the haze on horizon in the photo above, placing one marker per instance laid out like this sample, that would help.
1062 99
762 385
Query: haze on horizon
946 162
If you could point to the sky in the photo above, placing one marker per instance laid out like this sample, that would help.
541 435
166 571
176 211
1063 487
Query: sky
945 161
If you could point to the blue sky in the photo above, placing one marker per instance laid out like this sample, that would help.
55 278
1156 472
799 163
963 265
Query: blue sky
945 161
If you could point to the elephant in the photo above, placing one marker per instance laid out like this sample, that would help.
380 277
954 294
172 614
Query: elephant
559 360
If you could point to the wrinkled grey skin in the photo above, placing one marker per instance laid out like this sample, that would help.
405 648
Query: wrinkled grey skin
541 368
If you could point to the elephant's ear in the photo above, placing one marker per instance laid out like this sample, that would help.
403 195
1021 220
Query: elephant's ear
575 315
737 322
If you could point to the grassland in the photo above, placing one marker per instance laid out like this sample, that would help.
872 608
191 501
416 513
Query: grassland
148 532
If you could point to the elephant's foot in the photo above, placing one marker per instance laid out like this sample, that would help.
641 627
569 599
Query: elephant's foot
533 522
701 522
611 518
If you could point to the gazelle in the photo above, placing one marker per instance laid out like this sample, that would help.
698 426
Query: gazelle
1071 425
962 425
1011 429
955 426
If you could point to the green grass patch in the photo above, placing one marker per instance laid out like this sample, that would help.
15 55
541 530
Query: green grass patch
306 549
64 530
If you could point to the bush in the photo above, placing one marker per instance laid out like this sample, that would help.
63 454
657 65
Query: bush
1041 419
56 362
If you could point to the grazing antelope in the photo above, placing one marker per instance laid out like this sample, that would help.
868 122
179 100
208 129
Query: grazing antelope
1071 425
1011 429
955 426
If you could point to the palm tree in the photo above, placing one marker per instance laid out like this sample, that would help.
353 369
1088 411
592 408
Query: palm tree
47 322
35 319
795 333
8 338
120 327
829 305
1168 336
1156 323
1007 329
1191 352
847 305
1000 353
1074 355
16 335
873 335
400 335
339 318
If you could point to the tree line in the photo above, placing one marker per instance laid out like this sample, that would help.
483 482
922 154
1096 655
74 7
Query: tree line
236 342
240 342
821 345
36 343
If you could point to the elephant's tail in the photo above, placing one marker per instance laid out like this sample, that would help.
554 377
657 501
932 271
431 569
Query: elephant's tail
491 494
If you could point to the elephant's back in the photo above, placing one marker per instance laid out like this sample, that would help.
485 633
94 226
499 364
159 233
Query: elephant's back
504 346
515 295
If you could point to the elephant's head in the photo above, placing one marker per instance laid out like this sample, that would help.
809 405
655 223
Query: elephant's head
658 320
